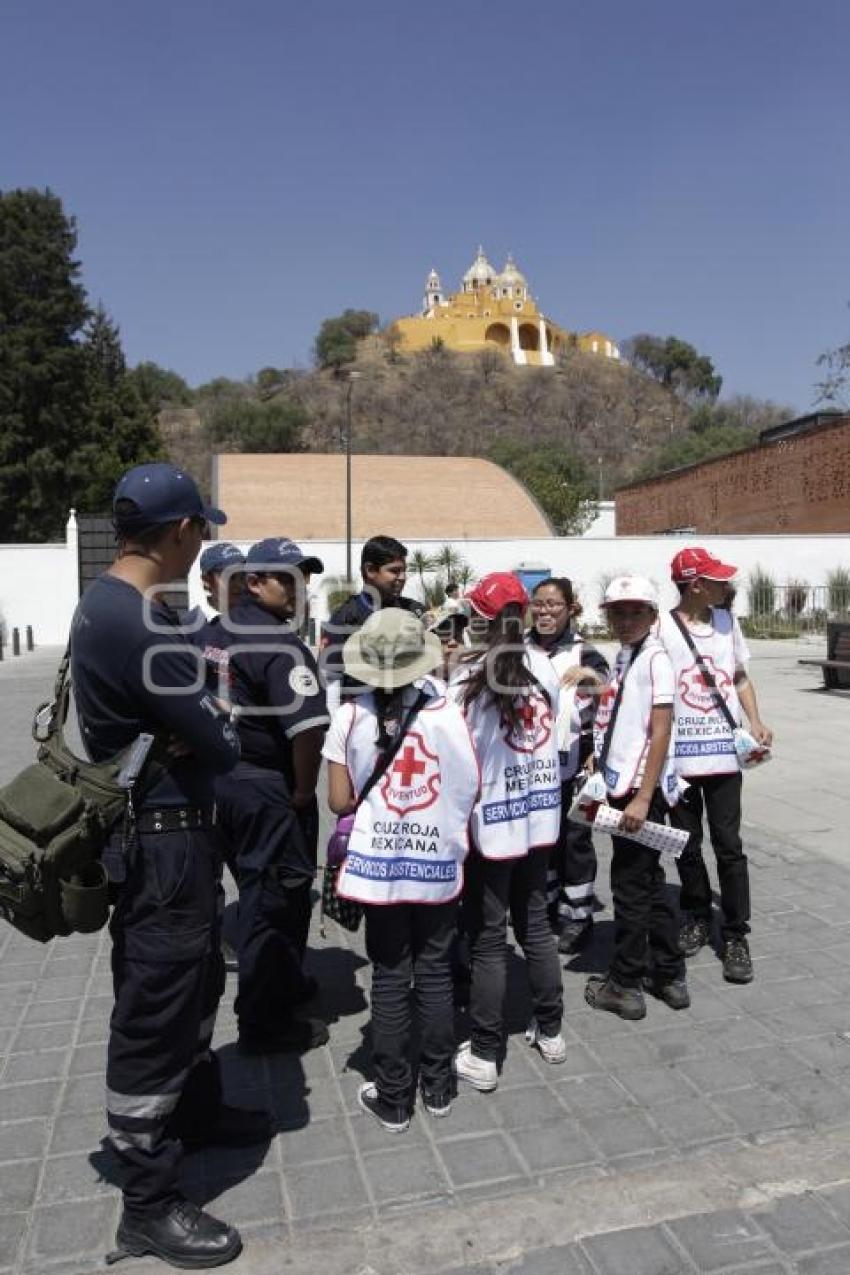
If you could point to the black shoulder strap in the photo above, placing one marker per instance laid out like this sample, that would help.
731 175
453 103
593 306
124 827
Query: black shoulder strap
707 675
615 707
384 759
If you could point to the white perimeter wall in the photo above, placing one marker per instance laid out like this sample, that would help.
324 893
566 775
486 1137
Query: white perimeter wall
38 586
38 583
588 561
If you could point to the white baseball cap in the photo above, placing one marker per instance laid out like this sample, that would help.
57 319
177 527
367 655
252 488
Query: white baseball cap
630 589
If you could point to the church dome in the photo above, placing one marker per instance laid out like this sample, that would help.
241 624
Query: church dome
511 277
480 272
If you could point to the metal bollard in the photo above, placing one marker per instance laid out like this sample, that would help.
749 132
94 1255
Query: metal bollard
16 641
30 643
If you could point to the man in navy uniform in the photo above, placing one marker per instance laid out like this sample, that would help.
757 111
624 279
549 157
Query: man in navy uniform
221 576
133 672
267 804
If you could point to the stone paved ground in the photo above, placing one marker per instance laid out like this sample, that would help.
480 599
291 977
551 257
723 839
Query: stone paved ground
713 1140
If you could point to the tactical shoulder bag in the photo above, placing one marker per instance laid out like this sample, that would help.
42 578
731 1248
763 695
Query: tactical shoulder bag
55 819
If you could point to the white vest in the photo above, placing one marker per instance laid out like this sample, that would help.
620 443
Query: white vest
520 804
569 718
703 740
411 834
649 680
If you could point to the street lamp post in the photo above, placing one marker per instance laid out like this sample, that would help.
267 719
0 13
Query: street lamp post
351 377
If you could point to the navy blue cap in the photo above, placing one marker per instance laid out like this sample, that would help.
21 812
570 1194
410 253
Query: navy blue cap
163 493
279 551
220 555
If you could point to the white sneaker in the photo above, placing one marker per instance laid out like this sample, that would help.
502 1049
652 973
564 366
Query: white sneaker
479 1072
553 1049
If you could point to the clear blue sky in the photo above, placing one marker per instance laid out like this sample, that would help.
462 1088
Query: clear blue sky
239 171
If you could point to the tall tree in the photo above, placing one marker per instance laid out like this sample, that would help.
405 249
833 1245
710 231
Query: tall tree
160 386
69 422
676 364
121 427
336 343
557 478
834 389
43 365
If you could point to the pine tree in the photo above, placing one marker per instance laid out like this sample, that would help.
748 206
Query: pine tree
42 364
121 427
67 423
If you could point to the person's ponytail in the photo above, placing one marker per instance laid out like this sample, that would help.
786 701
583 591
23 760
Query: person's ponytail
389 708
502 673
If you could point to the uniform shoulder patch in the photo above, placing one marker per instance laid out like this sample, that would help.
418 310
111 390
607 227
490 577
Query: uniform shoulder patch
303 681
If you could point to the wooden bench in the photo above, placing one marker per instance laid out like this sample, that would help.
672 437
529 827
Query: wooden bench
836 666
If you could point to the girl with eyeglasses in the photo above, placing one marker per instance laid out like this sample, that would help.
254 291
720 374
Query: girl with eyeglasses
580 669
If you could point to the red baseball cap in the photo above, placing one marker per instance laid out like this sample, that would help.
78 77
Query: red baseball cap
695 564
496 591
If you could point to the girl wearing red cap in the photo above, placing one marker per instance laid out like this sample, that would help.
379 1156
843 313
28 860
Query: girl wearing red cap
509 695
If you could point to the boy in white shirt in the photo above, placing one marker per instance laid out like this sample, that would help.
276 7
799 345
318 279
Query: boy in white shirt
704 751
632 734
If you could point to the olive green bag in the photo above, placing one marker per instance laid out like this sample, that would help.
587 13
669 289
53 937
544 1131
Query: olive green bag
55 819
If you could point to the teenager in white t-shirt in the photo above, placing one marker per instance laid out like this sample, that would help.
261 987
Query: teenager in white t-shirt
704 753
632 735
406 850
509 695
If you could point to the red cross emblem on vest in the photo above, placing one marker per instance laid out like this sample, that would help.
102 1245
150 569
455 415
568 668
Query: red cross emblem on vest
533 728
694 689
407 767
413 780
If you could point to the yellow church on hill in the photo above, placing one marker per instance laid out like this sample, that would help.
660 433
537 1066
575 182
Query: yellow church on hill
494 310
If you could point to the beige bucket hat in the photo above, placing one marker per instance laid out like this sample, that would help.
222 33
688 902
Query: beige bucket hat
392 649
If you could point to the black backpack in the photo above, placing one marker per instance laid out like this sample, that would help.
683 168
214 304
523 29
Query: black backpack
55 819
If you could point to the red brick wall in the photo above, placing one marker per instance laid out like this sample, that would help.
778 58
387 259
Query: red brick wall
798 484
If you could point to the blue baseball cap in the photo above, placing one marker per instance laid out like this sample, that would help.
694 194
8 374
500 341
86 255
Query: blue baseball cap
162 493
220 555
279 551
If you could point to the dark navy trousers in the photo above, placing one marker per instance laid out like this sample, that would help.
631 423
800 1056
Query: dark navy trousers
570 884
168 976
274 849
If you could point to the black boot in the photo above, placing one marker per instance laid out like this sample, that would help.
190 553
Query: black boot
604 992
185 1236
673 992
574 935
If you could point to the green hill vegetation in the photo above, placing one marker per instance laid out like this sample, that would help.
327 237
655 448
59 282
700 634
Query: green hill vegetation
571 433
73 415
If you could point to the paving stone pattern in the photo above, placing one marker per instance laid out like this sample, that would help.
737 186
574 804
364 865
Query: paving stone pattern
746 1066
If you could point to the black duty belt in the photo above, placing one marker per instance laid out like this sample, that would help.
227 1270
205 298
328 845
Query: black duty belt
175 819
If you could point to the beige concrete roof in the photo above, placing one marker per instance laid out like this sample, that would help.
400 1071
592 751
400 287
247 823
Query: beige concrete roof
420 497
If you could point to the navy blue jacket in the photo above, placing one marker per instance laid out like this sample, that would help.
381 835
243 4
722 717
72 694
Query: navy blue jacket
271 678
129 676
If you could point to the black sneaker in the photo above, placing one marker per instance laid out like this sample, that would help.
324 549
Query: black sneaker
604 992
737 962
674 992
393 1119
185 1237
437 1102
693 935
574 935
